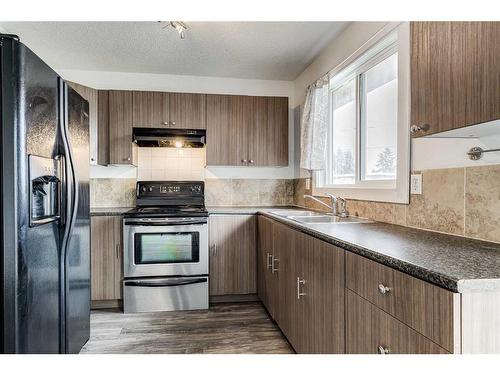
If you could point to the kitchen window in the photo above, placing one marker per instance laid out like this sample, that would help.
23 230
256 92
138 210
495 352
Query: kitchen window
367 151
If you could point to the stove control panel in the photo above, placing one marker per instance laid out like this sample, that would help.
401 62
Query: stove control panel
159 189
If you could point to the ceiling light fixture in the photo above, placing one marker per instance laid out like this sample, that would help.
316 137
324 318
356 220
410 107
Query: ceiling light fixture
179 26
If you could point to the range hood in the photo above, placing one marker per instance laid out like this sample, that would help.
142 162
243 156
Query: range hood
158 137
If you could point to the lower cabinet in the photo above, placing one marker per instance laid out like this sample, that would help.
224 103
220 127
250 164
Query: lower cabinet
106 259
301 283
233 254
369 330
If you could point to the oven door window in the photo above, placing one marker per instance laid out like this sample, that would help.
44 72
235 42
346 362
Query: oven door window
164 248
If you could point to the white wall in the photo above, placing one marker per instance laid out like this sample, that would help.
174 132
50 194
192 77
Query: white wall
178 83
427 153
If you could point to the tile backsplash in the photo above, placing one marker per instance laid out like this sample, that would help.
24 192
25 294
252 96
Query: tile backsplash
248 192
462 201
165 163
114 192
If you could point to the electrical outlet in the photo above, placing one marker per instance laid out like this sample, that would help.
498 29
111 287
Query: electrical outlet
308 183
416 184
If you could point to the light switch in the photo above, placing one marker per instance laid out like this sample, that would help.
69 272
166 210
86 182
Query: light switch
416 184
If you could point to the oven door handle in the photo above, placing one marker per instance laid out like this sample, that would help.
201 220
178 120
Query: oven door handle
162 223
166 283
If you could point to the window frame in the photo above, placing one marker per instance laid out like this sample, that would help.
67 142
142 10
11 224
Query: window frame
396 190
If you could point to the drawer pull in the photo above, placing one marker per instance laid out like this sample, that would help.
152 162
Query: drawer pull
382 350
273 268
299 292
269 261
383 289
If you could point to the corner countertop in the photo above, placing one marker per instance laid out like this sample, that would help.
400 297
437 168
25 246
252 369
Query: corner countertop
455 263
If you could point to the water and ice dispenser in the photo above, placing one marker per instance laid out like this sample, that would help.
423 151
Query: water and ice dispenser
45 189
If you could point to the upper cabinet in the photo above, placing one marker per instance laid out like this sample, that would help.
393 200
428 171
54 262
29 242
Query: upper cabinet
90 95
455 75
150 109
241 130
120 127
247 130
187 111
162 109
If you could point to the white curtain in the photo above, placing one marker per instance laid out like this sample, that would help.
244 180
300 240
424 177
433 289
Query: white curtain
314 126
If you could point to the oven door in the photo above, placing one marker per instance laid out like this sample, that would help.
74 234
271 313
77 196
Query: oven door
165 247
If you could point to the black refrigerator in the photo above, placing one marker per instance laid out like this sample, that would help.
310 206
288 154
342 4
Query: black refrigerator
45 235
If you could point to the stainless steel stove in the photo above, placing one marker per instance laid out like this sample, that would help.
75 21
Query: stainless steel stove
166 248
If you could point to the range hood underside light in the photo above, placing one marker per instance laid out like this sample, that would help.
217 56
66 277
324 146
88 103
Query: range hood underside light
178 138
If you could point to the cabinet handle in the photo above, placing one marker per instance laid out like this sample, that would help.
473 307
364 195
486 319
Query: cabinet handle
244 161
250 161
165 123
117 248
274 269
127 159
383 289
414 129
299 282
173 123
269 261
214 249
382 350
92 159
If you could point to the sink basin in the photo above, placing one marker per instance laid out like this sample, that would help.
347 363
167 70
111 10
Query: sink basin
298 213
328 219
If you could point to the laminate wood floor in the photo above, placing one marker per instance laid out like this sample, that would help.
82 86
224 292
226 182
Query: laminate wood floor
232 328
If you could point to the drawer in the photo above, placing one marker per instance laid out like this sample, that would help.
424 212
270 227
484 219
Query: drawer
432 311
369 330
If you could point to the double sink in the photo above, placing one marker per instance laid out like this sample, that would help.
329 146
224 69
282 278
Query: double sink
312 217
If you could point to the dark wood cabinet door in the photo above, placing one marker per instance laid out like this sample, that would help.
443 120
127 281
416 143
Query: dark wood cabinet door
106 256
120 127
233 255
264 254
118 263
324 299
150 109
269 132
187 111
103 127
287 317
455 75
228 117
370 330
91 96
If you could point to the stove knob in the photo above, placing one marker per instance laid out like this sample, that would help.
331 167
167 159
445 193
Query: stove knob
144 188
150 189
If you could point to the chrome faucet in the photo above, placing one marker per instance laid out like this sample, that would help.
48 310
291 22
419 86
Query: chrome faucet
333 206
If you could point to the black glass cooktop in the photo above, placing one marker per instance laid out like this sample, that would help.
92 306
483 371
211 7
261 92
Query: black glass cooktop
168 211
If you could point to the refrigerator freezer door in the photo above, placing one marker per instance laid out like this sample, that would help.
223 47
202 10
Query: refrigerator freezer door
30 103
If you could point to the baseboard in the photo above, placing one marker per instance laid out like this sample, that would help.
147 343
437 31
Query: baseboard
234 298
106 304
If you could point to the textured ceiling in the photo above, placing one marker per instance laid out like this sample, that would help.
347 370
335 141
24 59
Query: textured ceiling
257 50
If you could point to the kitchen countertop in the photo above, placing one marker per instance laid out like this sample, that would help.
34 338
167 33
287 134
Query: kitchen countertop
242 210
456 263
108 211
